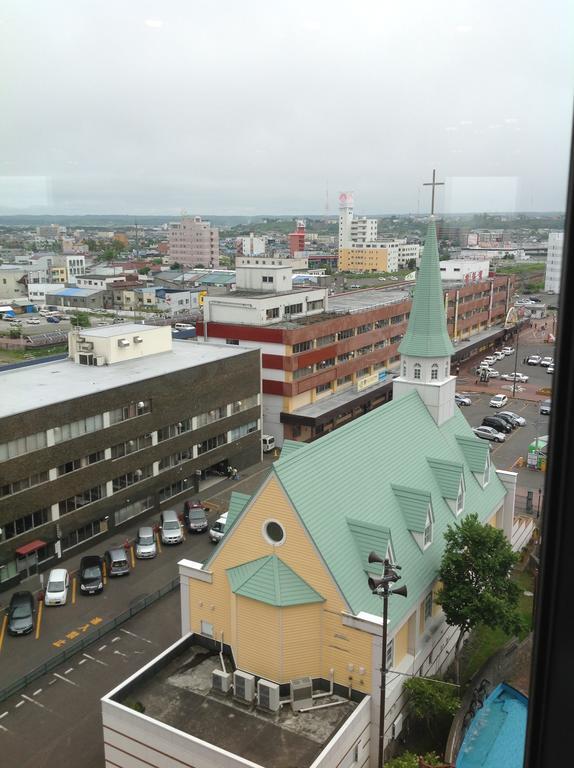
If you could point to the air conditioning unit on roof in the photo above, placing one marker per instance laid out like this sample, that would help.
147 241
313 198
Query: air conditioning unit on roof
268 695
301 693
221 681
243 686
123 343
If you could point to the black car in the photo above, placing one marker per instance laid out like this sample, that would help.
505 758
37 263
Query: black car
21 613
194 516
91 575
499 424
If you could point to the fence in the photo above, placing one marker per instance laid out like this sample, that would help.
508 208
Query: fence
79 645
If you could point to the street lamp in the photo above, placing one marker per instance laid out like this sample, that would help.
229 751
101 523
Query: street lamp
382 588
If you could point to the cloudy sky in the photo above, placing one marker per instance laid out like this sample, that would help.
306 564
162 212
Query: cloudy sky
259 106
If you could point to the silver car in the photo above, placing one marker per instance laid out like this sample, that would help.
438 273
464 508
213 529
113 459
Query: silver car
146 546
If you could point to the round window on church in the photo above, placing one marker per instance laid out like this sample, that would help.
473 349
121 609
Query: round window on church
274 532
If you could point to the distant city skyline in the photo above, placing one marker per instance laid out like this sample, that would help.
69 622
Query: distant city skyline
264 109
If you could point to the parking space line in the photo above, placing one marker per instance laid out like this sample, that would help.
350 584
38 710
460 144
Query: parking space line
65 679
116 639
87 655
37 692
82 661
19 704
32 701
39 619
101 648
104 571
139 637
67 672
3 715
74 590
3 631
133 556
158 543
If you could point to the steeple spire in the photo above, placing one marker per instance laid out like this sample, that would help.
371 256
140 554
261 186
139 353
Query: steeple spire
427 334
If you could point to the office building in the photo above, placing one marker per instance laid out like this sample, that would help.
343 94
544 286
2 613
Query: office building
193 243
129 424
554 262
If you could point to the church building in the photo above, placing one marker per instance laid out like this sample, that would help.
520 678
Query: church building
284 600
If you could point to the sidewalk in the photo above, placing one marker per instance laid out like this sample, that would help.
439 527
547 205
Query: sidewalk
215 494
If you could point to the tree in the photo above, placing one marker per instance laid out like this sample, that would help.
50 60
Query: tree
81 319
476 584
410 760
431 700
176 266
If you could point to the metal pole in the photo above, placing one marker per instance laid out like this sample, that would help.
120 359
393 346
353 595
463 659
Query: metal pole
515 361
383 674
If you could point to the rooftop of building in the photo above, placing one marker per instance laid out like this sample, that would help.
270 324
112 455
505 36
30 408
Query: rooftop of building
176 691
47 383
78 292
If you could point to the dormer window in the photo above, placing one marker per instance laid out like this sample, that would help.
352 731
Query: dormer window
434 372
404 369
427 538
460 498
446 367
417 369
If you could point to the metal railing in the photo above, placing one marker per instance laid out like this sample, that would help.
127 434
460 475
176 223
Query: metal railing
79 645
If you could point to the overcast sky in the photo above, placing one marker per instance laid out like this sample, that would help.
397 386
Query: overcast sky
254 107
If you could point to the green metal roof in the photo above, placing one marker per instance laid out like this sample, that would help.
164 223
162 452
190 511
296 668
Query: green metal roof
369 538
427 335
270 580
237 503
414 505
350 473
475 451
288 447
448 474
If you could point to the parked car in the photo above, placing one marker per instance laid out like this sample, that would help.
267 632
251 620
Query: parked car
499 355
534 360
56 592
53 319
217 530
492 372
268 443
490 360
462 399
197 520
170 527
519 420
545 407
500 425
21 613
550 368
508 351
91 575
145 543
498 401
190 505
117 563
507 419
33 321
488 433
521 377
546 361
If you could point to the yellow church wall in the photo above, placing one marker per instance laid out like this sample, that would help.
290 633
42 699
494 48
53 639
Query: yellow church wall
301 638
257 639
401 643
492 520
215 603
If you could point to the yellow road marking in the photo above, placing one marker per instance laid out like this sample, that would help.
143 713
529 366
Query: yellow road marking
74 590
133 556
39 619
158 542
104 571
3 631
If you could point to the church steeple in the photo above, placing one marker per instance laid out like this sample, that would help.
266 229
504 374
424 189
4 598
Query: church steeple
426 348
426 334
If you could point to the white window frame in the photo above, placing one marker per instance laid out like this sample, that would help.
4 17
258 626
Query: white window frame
460 499
429 524
417 371
487 469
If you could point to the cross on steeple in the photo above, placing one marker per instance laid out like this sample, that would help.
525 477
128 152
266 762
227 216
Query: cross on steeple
433 184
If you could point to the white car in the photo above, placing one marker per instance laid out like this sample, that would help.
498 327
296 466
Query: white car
508 350
521 377
489 360
492 372
56 592
546 361
550 368
217 530
499 355
498 401
488 433
33 321
462 399
534 360
519 420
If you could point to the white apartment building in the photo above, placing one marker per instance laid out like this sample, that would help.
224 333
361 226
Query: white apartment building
251 246
193 242
554 262
363 230
468 271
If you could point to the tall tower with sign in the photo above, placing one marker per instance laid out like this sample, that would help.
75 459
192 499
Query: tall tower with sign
345 219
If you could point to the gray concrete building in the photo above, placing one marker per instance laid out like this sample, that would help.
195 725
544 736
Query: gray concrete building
131 423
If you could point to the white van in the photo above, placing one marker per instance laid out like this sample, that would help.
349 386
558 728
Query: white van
217 530
183 327
56 592
268 443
